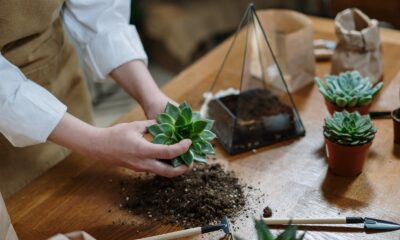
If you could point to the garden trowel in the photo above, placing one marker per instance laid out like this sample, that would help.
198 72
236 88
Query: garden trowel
369 223
224 226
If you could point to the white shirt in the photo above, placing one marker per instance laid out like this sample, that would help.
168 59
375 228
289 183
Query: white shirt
28 112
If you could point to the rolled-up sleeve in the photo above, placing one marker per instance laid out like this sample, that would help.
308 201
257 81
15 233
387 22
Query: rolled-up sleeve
28 112
101 30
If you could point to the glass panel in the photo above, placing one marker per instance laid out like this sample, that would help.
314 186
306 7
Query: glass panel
252 106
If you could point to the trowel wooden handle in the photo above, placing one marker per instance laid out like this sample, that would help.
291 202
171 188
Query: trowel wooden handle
174 235
285 221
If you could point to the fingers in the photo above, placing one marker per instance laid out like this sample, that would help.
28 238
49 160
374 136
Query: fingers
142 125
166 170
159 151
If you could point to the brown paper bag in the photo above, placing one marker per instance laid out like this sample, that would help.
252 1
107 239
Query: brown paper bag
291 36
359 45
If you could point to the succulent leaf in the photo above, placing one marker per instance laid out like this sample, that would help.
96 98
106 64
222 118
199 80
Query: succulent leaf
349 128
349 89
160 139
172 110
166 128
199 126
165 118
187 114
201 158
263 231
178 123
206 147
154 130
180 120
196 116
196 147
289 233
207 135
176 162
210 124
184 105
187 157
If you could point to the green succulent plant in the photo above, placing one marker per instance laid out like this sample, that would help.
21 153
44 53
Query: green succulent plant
263 232
349 89
349 128
178 123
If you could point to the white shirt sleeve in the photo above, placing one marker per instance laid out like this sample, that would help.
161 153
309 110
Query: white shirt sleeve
28 112
102 32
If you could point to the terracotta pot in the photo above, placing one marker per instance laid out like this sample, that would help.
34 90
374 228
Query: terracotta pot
363 110
396 125
344 160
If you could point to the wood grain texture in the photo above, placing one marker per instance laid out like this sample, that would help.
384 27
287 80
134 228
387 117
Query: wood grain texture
81 194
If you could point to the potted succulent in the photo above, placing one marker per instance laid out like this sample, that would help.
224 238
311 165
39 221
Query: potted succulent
348 91
263 233
348 137
178 123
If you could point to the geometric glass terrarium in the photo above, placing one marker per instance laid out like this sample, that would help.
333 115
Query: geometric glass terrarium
250 101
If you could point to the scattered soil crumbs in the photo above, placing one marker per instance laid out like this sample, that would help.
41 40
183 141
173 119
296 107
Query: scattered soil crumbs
267 212
201 197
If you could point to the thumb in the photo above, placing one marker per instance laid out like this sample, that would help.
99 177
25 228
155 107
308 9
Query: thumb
142 125
159 151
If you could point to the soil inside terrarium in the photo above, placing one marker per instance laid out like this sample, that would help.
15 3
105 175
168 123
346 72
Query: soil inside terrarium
201 197
261 119
255 104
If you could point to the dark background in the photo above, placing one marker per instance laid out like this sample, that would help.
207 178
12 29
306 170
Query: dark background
155 19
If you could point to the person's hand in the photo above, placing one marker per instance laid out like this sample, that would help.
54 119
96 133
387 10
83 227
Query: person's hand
121 145
124 145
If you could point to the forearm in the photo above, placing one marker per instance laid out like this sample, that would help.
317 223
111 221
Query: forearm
136 80
76 135
121 145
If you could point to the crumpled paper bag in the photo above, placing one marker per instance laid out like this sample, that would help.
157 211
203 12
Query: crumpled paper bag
291 36
359 45
79 235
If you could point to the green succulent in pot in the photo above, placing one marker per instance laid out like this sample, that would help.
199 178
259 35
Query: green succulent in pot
348 89
349 128
263 232
348 137
178 123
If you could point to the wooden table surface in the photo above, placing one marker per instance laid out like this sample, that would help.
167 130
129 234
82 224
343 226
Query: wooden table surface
78 193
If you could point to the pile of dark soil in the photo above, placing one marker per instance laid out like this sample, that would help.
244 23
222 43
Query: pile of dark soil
202 197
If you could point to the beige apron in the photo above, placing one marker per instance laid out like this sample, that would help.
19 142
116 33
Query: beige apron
32 38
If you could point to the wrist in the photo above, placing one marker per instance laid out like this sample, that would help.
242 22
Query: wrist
77 135
96 142
153 100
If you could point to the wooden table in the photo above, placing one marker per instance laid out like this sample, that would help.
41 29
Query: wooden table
80 193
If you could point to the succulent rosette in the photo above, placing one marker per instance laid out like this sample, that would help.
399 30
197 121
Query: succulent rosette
178 123
349 89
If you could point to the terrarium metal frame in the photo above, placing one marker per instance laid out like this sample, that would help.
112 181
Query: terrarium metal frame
229 132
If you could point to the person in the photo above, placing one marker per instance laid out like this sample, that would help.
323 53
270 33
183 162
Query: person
44 97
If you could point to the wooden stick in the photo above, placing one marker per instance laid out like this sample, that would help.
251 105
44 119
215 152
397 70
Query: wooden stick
178 234
285 221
